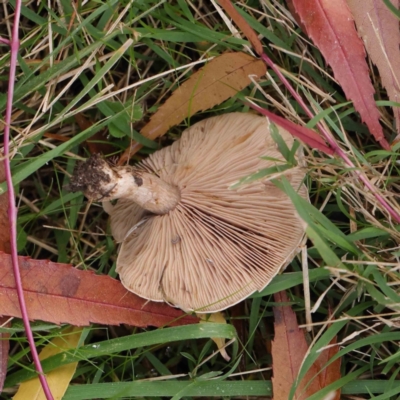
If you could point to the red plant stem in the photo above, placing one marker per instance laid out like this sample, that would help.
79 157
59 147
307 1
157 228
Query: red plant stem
395 215
12 210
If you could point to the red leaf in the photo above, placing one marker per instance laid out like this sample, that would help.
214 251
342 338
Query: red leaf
302 133
247 30
379 29
59 293
288 351
331 27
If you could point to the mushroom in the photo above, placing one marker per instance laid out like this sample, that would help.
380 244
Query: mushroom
187 237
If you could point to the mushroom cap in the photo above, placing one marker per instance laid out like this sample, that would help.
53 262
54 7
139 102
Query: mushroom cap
218 245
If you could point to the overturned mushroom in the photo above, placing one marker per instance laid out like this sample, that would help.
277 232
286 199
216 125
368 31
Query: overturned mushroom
187 237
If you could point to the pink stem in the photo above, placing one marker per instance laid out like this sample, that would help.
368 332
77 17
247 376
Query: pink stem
332 142
12 210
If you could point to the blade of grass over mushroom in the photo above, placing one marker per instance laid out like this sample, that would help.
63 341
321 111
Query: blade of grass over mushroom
291 279
137 341
330 26
220 79
316 220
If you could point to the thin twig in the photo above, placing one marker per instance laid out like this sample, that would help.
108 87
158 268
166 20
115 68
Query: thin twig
12 210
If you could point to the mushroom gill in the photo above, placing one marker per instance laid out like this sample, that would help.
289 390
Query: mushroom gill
187 237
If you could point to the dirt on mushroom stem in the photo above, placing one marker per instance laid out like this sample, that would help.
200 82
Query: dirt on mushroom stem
102 182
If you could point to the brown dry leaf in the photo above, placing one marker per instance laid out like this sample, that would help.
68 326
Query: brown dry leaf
247 30
59 378
217 81
331 373
379 29
59 293
289 348
330 25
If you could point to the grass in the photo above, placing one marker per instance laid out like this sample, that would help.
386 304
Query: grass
114 63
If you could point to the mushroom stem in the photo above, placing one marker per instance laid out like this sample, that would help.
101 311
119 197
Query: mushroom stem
99 181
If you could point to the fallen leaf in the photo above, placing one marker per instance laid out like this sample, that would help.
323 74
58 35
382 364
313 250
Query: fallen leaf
289 348
4 349
220 79
219 318
331 373
247 30
296 16
330 25
59 293
59 378
379 29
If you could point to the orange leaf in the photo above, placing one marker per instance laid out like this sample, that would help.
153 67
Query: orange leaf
331 27
59 293
331 373
379 29
289 348
217 81
243 25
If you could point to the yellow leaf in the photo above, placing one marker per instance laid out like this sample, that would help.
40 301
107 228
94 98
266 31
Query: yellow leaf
59 378
217 317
